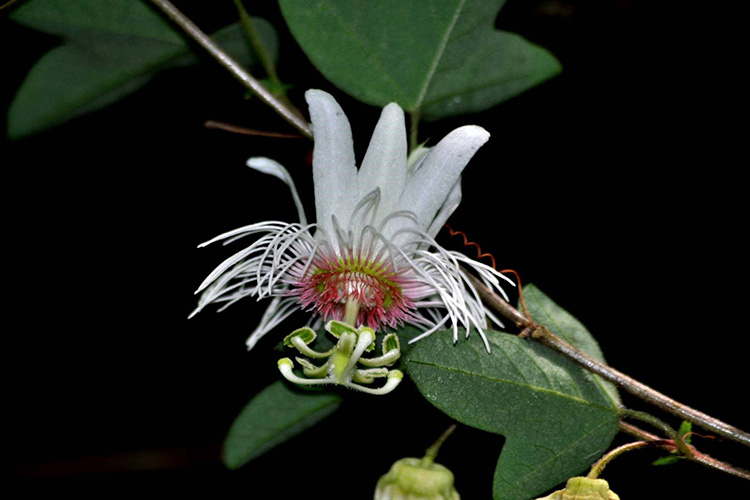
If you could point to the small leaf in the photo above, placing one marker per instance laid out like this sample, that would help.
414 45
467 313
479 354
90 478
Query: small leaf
443 57
666 460
557 418
685 430
110 50
274 415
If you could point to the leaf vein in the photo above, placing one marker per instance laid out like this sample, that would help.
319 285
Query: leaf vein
575 443
439 54
559 394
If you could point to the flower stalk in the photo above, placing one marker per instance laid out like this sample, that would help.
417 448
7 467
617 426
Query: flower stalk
600 464
432 452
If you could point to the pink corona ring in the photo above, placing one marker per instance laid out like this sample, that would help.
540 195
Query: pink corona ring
384 296
370 259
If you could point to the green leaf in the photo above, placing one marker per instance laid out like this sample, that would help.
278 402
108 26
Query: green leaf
81 18
666 460
686 427
274 415
441 57
556 417
563 324
684 431
110 50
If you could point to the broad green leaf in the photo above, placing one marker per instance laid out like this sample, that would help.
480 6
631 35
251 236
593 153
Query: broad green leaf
79 18
441 57
556 417
563 324
274 415
110 49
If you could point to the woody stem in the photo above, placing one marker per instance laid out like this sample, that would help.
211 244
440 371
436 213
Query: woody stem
288 113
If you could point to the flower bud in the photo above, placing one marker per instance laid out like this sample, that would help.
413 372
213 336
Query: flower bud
584 488
416 479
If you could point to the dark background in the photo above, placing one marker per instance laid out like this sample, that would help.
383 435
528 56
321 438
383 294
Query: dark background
615 188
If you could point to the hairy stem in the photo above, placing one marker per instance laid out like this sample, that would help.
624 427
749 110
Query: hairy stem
679 442
290 114
544 336
696 456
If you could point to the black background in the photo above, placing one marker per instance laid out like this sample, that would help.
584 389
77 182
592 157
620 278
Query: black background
616 188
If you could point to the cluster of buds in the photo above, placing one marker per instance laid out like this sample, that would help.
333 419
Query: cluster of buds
342 365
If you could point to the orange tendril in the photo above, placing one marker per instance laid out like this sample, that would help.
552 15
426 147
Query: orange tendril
481 254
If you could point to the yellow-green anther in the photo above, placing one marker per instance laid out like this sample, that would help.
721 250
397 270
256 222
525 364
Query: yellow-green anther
371 332
284 362
583 488
338 328
391 352
305 334
391 342
300 345
386 359
369 376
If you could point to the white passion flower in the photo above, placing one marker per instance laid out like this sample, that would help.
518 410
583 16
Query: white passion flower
370 260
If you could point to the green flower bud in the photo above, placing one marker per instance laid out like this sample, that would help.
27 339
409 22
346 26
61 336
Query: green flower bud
416 479
584 488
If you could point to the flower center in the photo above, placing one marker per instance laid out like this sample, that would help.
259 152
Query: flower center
376 288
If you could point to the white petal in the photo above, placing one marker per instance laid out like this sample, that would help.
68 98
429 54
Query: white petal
334 169
427 189
450 206
271 167
384 165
